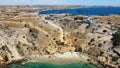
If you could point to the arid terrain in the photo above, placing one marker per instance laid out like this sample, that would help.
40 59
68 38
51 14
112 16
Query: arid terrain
25 34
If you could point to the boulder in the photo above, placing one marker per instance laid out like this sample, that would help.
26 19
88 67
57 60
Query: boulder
1 59
117 50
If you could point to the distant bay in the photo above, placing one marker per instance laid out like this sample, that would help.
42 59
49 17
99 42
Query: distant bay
85 11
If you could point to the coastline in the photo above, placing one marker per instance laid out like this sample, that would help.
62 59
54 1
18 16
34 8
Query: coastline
28 40
97 11
60 59
82 7
65 59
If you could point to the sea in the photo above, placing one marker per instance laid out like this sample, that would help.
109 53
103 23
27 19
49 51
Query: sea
50 65
102 11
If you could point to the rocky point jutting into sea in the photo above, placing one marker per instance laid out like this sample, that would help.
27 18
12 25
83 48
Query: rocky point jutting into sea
57 38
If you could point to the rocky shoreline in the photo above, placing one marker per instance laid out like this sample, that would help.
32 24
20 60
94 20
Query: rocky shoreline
65 58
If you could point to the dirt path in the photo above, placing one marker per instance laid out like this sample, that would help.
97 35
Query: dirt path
55 26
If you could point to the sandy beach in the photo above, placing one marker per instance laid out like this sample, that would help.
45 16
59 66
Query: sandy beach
65 58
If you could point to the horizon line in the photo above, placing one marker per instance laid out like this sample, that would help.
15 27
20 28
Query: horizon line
58 5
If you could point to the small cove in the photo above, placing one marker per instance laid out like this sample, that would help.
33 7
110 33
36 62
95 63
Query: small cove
50 65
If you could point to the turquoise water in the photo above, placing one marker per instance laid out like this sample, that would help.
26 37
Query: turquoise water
46 65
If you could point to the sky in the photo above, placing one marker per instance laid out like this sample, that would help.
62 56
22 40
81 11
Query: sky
61 2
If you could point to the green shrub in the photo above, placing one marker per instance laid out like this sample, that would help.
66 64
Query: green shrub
58 42
115 58
116 38
92 40
6 58
78 49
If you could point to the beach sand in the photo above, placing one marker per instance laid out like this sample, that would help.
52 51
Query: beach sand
65 58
